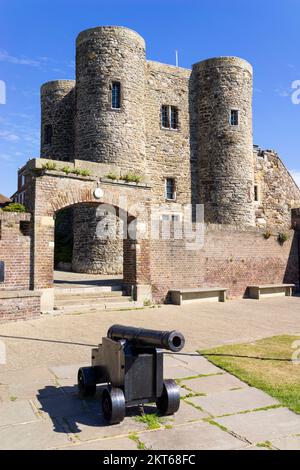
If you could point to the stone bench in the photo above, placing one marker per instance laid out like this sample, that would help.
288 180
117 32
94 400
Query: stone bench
180 296
270 290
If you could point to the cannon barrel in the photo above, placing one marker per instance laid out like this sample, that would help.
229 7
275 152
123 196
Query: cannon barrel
170 340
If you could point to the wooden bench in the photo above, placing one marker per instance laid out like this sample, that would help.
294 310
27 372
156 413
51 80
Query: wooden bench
198 294
270 290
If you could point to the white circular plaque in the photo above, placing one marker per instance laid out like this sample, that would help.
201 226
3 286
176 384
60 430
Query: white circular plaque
98 193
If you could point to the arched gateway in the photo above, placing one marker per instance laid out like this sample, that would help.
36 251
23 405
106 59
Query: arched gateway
50 190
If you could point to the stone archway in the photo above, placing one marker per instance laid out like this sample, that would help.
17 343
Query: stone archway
51 191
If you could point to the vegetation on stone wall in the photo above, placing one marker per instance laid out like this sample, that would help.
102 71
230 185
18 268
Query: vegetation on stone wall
128 177
51 166
282 238
14 207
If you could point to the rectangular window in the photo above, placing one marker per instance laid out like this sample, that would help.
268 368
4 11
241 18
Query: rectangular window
169 117
256 194
116 95
48 133
170 189
234 117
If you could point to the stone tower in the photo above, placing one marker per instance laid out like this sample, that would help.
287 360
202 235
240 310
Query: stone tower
104 134
222 90
57 120
106 56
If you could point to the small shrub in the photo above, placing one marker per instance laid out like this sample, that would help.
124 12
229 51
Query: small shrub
267 234
112 176
49 166
131 178
77 171
85 173
66 169
14 207
147 303
282 238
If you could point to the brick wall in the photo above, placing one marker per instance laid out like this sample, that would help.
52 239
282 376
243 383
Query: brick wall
19 305
15 245
231 258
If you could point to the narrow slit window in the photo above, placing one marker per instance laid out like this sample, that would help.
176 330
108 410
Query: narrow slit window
256 193
234 117
48 134
116 95
169 117
170 189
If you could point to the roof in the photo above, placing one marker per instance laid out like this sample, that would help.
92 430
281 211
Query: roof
4 199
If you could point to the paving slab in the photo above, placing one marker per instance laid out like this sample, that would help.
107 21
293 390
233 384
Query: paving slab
88 426
186 414
198 436
4 393
67 372
214 383
287 443
32 436
262 426
62 406
178 372
19 411
234 401
121 443
197 363
26 383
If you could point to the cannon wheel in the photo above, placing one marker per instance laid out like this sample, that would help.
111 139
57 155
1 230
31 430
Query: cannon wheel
113 405
86 382
169 402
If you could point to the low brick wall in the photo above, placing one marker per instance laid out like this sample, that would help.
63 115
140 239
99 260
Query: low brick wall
19 305
15 246
231 258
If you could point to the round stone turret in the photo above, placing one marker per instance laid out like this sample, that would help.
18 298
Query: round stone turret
97 248
222 90
57 120
110 81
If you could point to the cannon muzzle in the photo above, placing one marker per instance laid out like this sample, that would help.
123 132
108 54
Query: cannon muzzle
169 340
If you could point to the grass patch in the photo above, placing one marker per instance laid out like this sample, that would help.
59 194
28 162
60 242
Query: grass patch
266 445
135 438
266 364
153 421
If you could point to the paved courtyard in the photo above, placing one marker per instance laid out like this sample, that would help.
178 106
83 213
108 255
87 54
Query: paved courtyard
39 407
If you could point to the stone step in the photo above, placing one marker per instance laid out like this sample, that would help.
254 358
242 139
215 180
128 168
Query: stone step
70 298
94 306
60 291
90 300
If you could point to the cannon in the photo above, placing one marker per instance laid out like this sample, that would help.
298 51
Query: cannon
129 366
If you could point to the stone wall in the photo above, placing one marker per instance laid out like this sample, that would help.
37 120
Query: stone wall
58 111
168 150
231 257
277 191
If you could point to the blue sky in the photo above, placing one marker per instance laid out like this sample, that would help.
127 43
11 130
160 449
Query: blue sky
37 44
